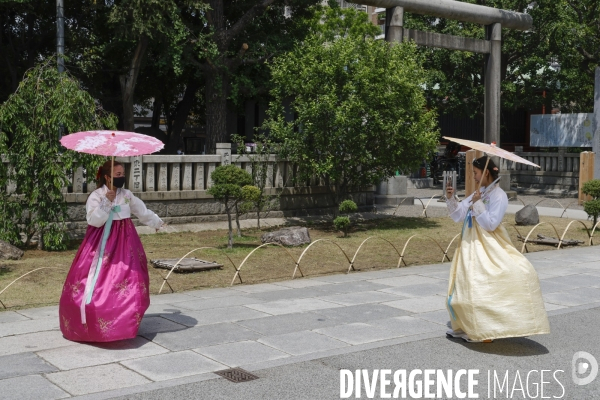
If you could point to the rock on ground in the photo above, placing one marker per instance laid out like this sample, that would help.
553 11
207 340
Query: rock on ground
292 236
9 252
528 215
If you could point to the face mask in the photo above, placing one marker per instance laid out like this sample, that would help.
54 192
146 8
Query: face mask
118 182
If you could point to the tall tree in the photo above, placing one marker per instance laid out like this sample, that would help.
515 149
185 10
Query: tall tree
163 20
558 56
26 35
39 166
456 79
360 107
245 33
572 29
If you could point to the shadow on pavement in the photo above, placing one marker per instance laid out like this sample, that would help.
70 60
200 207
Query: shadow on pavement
509 347
181 323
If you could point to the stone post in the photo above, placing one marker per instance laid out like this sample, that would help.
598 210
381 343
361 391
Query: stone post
163 172
175 173
187 176
211 167
279 174
150 175
224 150
199 177
78 180
135 175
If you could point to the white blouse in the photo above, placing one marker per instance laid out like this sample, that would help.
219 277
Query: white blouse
488 211
98 208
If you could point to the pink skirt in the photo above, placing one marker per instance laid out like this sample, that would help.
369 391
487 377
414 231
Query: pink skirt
120 297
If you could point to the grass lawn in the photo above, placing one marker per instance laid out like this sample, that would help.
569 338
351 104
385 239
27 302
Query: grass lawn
270 263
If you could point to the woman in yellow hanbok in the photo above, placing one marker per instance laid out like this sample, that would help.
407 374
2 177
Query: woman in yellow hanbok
494 291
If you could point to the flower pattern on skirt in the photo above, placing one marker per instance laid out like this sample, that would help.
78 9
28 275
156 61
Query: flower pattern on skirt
105 327
66 324
138 318
143 288
121 295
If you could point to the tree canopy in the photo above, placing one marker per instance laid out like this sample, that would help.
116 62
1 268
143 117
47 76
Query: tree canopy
571 30
189 60
557 56
231 185
360 110
31 188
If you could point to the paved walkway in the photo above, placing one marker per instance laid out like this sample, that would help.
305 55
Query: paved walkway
184 337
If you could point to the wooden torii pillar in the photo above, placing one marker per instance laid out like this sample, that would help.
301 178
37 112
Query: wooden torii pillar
492 18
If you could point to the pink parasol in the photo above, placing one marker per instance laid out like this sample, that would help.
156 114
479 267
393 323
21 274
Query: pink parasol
492 150
112 143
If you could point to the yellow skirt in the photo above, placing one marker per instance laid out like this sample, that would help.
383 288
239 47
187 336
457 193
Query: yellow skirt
494 291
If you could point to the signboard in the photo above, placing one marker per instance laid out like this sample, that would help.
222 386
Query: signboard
562 130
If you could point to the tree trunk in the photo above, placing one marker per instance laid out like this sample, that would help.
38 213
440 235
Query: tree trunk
237 220
334 194
128 82
216 109
12 70
230 235
182 112
156 112
218 70
31 50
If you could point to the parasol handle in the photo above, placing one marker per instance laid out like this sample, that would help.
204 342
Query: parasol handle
112 173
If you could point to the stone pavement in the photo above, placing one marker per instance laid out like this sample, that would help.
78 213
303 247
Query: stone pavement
184 337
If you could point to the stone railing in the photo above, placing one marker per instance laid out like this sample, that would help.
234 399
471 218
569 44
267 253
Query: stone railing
559 162
157 177
152 177
559 171
175 187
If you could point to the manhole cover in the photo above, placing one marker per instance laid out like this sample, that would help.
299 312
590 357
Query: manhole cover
236 375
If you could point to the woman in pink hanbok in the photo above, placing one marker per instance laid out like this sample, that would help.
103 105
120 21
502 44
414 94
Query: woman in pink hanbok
106 293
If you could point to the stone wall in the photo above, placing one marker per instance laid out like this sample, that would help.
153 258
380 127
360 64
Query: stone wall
191 206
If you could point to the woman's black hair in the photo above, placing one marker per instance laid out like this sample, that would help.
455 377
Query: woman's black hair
105 169
480 164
